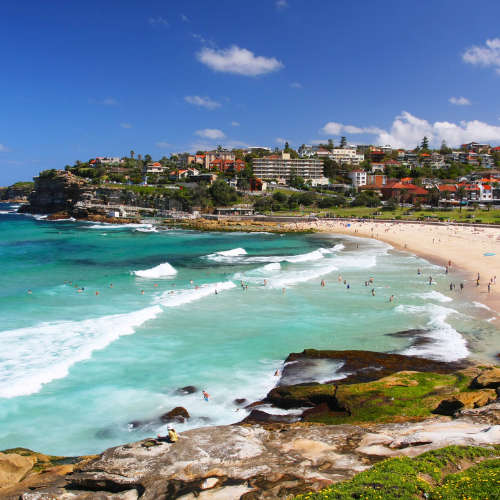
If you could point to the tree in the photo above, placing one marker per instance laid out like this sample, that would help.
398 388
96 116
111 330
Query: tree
139 157
147 159
447 196
293 154
280 197
343 142
462 193
219 148
392 203
434 195
425 143
444 148
286 145
200 196
222 193
244 185
132 153
330 145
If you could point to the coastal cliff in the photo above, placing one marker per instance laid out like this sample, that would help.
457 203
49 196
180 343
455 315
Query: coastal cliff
347 426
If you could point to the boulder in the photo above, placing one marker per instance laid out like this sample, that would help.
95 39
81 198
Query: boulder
465 401
489 378
13 468
189 389
239 402
261 417
178 414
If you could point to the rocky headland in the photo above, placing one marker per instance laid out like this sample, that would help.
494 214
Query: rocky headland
377 406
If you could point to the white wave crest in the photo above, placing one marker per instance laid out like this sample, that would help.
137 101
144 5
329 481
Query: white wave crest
164 269
117 226
432 295
33 356
181 297
445 343
221 256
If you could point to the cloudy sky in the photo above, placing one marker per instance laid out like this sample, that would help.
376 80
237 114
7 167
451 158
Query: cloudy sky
93 78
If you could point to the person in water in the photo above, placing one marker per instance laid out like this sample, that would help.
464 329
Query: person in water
172 436
206 396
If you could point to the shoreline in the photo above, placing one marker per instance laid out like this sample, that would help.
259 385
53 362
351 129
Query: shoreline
463 246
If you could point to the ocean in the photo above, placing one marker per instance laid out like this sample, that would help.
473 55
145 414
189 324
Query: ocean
81 372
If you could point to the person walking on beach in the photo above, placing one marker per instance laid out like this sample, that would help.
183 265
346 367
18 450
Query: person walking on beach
461 286
206 396
489 287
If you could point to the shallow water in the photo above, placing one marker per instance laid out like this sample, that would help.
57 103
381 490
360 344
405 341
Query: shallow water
77 368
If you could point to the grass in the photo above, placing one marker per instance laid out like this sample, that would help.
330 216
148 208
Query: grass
405 478
395 398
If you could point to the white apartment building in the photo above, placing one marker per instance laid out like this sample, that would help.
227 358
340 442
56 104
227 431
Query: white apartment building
386 149
306 150
153 168
348 155
281 166
358 177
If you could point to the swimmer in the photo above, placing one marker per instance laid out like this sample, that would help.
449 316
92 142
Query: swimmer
142 292
322 282
246 287
29 291
70 283
216 292
340 278
206 396
265 282
392 298
111 285
156 284
345 282
97 293
373 292
283 289
418 272
276 373
196 287
79 290
348 286
191 281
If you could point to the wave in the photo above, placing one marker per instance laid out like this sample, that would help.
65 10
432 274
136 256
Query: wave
181 297
146 230
445 343
164 269
221 256
433 295
33 356
481 306
117 226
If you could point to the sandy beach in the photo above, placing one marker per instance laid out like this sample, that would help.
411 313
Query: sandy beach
464 246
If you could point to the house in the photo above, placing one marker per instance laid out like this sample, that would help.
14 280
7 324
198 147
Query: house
257 184
386 149
306 151
153 168
378 167
322 152
105 160
358 177
179 174
377 156
235 210
227 165
476 147
185 159
207 178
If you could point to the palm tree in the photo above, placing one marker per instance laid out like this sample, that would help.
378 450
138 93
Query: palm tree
462 193
447 197
244 186
132 153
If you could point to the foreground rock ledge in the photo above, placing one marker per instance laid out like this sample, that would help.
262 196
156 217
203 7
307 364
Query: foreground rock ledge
232 462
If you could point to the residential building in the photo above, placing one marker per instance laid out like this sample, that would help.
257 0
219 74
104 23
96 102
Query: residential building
379 167
105 160
282 166
476 147
348 155
364 148
153 168
185 159
377 156
376 180
305 151
223 154
227 165
322 153
358 177
257 184
386 149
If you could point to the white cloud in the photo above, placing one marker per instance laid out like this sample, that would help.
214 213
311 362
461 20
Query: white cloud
3 149
281 5
163 144
206 102
110 102
235 124
183 17
158 22
239 61
460 102
125 125
407 131
333 128
296 85
211 133
280 140
484 56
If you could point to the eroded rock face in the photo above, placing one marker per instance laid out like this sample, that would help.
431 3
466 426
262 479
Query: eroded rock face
13 467
253 462
465 401
489 378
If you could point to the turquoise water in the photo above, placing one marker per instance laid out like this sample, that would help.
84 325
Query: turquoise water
76 368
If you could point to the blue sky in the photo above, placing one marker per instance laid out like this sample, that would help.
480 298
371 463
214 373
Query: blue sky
102 77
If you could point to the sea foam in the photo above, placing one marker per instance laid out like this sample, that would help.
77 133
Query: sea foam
164 269
33 356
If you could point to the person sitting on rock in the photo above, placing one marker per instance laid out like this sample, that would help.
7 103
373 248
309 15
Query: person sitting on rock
172 435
